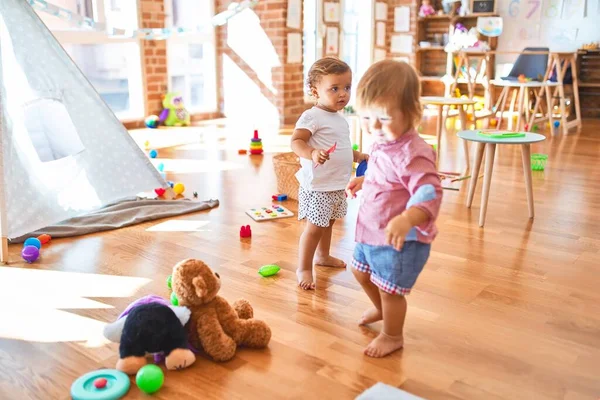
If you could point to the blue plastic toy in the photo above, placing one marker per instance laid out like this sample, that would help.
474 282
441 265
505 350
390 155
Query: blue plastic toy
362 168
153 153
104 384
33 242
556 124
279 197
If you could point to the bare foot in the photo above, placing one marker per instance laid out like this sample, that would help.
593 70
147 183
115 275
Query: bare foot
131 365
179 359
383 345
370 316
305 279
330 261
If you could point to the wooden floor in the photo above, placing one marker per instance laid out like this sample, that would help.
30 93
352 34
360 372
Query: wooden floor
510 311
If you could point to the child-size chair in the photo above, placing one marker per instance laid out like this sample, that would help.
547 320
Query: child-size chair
530 65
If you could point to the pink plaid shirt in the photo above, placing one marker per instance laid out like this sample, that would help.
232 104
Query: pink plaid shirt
396 172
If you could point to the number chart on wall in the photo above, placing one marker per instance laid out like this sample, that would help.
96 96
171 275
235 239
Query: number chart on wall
556 24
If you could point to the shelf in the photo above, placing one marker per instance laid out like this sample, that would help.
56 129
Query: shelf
446 16
589 84
432 48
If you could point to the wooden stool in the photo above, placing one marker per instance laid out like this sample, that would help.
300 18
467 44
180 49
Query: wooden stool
490 151
520 92
440 103
562 61
480 77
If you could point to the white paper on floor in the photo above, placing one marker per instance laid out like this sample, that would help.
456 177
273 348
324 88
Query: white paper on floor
176 225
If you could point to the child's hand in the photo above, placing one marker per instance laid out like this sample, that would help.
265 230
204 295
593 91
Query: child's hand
319 156
362 157
354 186
396 231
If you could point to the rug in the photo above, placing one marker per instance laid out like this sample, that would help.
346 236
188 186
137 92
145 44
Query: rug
126 212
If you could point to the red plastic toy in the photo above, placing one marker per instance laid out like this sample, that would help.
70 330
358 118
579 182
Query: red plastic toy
279 197
100 383
245 231
159 191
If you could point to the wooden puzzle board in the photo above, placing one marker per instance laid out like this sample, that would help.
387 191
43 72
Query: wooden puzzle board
275 211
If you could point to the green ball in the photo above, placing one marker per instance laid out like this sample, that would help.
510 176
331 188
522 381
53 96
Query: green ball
170 281
174 299
355 147
150 378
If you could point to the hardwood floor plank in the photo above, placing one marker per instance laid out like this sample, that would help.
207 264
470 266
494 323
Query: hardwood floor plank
509 311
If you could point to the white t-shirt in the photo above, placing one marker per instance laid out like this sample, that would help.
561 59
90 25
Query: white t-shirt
327 128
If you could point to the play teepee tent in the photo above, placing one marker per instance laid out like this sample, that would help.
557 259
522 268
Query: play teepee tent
63 152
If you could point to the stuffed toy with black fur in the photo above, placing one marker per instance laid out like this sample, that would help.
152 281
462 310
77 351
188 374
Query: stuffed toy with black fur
151 326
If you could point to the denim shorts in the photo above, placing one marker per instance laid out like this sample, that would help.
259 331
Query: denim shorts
393 271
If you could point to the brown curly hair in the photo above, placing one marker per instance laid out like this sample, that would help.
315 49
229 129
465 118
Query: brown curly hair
322 67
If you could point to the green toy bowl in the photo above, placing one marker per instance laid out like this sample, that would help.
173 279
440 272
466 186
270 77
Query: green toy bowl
538 162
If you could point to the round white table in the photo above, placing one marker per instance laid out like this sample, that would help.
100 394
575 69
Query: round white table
490 150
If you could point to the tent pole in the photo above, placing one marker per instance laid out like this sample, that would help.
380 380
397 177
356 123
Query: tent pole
3 221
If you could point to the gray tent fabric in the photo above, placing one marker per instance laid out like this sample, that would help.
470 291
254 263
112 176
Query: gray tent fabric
127 212
63 152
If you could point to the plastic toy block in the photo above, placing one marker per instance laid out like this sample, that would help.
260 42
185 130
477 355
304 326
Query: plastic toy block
245 231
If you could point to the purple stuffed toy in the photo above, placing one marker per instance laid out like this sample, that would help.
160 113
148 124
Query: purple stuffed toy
151 325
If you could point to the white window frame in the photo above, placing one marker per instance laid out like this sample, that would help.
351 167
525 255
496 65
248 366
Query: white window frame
365 56
319 38
208 39
134 60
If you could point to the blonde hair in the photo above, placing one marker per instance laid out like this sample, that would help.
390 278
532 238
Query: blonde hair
324 66
390 85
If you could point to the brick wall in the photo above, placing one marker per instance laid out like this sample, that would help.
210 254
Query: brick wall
154 56
414 9
287 89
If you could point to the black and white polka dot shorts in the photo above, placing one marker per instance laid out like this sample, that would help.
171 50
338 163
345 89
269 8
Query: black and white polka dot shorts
321 207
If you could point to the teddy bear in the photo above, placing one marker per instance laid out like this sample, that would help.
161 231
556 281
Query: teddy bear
151 325
215 326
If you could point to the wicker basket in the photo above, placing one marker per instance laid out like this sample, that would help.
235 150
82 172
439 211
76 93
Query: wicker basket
286 165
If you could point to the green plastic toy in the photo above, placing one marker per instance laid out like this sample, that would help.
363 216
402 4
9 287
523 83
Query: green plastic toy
174 299
269 270
150 378
501 135
355 147
174 112
170 281
538 161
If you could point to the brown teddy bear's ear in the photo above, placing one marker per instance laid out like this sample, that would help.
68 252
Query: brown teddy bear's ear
200 286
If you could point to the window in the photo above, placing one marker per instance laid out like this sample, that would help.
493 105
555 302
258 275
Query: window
111 64
191 57
313 41
357 28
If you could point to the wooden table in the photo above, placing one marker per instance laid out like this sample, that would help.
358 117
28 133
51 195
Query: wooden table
440 102
523 94
559 60
489 144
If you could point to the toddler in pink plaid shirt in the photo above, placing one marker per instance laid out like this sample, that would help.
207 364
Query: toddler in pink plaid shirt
400 200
